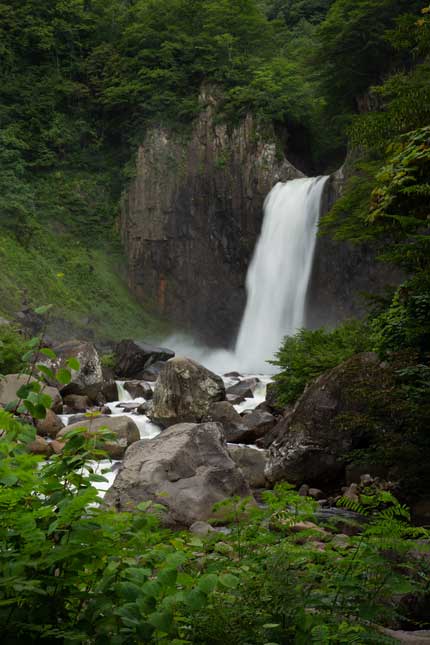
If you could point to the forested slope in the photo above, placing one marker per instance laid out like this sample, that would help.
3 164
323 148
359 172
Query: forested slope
81 82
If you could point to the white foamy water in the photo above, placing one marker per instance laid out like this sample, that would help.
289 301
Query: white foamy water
279 272
276 283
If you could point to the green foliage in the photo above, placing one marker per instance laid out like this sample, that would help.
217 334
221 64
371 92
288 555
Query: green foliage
353 48
12 348
303 357
86 285
299 586
405 323
296 11
72 570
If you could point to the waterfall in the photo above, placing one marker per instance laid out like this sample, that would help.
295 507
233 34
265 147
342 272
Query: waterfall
279 272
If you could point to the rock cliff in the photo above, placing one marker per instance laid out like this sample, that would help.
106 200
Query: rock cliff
343 273
193 213
191 218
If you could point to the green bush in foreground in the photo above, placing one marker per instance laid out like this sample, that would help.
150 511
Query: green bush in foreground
309 353
73 571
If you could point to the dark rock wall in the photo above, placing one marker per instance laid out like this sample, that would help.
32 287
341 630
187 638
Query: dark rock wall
191 219
192 216
343 273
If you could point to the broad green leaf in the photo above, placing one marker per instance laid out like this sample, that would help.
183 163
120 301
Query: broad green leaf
46 351
208 583
229 581
63 376
46 371
195 599
73 363
161 621
37 411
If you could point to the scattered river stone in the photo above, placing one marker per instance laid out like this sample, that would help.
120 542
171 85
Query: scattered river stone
123 427
244 388
184 392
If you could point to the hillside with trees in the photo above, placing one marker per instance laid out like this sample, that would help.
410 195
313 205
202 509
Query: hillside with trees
324 537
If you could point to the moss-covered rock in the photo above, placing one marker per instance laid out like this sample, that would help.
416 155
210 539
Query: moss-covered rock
363 408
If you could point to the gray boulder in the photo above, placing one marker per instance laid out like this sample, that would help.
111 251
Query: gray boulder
259 423
139 389
244 389
152 372
184 392
223 412
76 403
88 380
10 384
240 429
252 463
123 427
90 371
327 422
187 468
134 357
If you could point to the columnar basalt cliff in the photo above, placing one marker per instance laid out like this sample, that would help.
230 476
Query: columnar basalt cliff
192 216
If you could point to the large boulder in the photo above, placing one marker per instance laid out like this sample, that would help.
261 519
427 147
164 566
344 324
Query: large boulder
10 384
187 468
223 412
237 428
88 380
90 371
252 463
184 392
133 358
328 422
259 423
123 427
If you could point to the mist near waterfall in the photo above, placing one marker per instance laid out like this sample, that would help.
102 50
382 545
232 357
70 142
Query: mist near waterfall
277 281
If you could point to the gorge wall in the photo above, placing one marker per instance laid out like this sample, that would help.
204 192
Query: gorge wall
343 273
191 218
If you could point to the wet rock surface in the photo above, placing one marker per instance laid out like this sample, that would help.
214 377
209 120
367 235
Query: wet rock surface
133 358
244 388
192 215
187 468
184 392
311 446
138 389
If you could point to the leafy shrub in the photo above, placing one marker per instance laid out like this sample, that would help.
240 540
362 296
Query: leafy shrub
303 357
406 322
302 587
12 347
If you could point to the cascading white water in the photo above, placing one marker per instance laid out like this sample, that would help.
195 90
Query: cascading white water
279 272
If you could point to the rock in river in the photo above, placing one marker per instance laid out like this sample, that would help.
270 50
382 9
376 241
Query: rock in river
184 392
187 468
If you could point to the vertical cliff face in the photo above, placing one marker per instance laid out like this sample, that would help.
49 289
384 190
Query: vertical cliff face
191 218
343 273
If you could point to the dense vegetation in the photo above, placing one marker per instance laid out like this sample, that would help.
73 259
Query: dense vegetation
80 83
73 571
385 204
